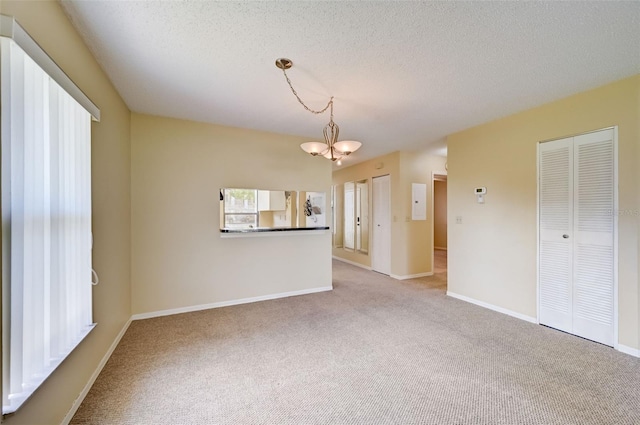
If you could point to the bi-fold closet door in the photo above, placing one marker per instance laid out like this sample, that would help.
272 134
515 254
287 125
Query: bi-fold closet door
577 291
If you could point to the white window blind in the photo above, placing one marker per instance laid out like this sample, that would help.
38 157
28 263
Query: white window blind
46 224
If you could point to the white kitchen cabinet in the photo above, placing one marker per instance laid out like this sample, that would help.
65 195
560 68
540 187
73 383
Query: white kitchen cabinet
271 200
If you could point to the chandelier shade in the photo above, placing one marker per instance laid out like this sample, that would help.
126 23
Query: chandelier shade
347 146
331 148
314 148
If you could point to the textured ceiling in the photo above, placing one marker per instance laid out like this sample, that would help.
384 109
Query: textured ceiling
404 74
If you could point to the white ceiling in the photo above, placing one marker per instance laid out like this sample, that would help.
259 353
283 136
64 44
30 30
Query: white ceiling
404 74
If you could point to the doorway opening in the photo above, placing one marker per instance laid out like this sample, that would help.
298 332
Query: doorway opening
439 202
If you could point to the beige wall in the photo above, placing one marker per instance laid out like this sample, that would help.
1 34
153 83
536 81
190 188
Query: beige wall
381 166
179 258
492 254
48 25
411 250
415 253
440 214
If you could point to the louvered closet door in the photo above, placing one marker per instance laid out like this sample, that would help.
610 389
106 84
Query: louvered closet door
576 257
593 286
555 215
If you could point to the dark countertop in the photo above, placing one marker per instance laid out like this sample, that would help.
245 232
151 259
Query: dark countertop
272 229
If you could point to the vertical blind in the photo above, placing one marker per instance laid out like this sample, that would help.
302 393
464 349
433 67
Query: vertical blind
46 224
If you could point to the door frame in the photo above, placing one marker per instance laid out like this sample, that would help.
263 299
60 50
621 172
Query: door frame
435 177
615 225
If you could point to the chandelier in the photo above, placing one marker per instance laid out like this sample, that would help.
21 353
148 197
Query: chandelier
331 148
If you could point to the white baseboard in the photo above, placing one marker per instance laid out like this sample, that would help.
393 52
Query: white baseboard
622 348
628 350
395 276
410 276
94 376
493 307
353 263
440 248
228 303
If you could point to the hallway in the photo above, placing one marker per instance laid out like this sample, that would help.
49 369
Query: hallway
440 261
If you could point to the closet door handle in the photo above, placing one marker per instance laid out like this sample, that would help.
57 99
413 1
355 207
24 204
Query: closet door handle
565 236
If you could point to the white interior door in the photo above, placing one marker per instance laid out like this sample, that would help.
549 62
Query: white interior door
381 237
577 234
555 223
593 227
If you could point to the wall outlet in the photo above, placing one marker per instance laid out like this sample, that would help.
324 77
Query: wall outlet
458 219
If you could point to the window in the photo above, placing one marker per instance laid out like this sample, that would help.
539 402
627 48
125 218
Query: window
240 208
46 215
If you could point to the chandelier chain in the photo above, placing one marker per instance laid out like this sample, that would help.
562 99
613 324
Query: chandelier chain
329 104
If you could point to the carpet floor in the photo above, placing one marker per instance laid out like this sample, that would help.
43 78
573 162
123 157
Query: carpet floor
372 351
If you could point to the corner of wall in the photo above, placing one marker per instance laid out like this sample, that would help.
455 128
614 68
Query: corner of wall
498 240
47 23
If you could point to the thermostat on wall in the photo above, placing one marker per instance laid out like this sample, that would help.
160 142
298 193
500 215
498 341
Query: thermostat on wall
480 191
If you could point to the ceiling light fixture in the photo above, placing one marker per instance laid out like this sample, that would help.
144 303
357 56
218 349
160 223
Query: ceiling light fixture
331 148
